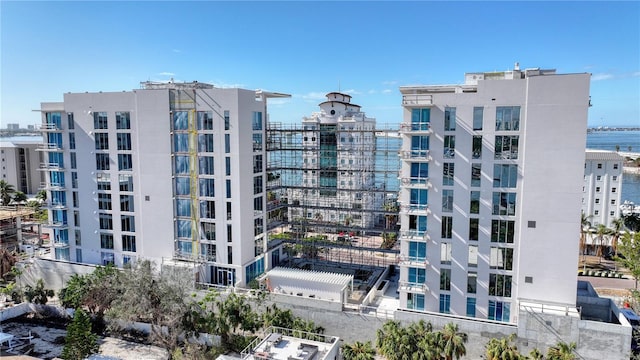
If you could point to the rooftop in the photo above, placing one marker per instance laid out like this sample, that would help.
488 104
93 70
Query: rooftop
592 154
285 344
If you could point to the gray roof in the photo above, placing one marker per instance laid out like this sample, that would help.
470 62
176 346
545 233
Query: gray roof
592 154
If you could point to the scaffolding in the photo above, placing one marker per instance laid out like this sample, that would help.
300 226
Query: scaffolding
352 219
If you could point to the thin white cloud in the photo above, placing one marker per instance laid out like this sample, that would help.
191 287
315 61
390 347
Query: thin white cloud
278 101
176 50
224 85
166 73
386 91
352 91
389 82
637 73
602 76
372 91
314 95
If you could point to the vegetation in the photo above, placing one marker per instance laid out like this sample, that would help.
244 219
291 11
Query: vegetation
629 250
561 351
395 342
503 349
6 192
80 341
38 294
358 351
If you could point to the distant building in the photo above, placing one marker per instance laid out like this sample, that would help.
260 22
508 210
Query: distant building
20 162
490 197
602 189
13 126
31 127
171 172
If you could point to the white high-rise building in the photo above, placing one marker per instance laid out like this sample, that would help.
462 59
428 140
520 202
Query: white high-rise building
491 191
20 161
338 166
173 171
602 190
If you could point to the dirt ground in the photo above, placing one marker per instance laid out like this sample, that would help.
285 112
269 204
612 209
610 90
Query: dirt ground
44 341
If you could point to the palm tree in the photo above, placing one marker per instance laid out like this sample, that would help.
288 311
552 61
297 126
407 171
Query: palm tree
6 191
452 342
502 349
601 231
561 351
42 195
617 225
585 224
19 197
358 351
536 354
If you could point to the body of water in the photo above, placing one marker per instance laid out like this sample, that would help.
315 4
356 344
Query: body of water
626 141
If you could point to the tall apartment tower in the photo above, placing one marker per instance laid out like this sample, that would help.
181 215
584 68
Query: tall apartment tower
338 166
20 164
490 192
173 171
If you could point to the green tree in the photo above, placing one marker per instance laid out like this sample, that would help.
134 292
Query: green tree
6 192
536 354
632 222
415 342
42 195
502 349
80 342
561 351
601 232
358 351
629 248
37 294
452 342
585 225
19 197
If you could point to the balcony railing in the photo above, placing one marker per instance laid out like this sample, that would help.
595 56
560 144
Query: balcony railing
419 127
415 209
417 100
412 286
51 166
60 244
414 182
50 127
55 205
415 154
49 147
412 260
416 235
51 186
56 224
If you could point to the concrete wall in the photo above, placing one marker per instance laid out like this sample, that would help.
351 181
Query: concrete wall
55 274
306 302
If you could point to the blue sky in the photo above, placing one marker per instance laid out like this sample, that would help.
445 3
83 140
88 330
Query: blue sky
307 49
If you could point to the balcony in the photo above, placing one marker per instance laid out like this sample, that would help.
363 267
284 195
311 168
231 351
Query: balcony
51 166
417 100
414 235
55 205
416 183
56 224
412 286
49 147
421 128
60 244
51 186
412 260
415 155
415 209
50 127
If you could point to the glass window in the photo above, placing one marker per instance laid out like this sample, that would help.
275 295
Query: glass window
74 161
257 120
506 147
207 187
471 307
447 173
447 227
419 146
449 146
257 164
125 162
476 175
417 251
72 141
474 206
505 175
227 143
205 120
504 203
183 228
70 122
181 165
124 141
205 165
123 120
102 141
415 301
205 143
208 230
501 258
449 118
420 119
128 223
228 186
508 118
181 142
257 142
472 282
228 211
74 180
476 147
447 200
227 120
182 186
418 224
417 275
257 184
104 201
500 285
126 203
100 120
227 166
473 228
419 172
106 221
477 118
181 120
418 198
445 303
207 209
258 226
502 231
183 207
499 310
129 243
125 182
445 253
257 205
106 241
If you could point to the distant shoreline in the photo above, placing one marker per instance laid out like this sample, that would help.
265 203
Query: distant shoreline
631 170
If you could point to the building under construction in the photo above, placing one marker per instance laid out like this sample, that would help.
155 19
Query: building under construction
333 185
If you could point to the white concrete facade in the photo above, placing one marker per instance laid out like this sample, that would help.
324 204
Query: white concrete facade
491 189
602 189
19 165
164 172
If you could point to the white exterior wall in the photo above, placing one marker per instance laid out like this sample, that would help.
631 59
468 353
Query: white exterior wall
10 164
553 113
